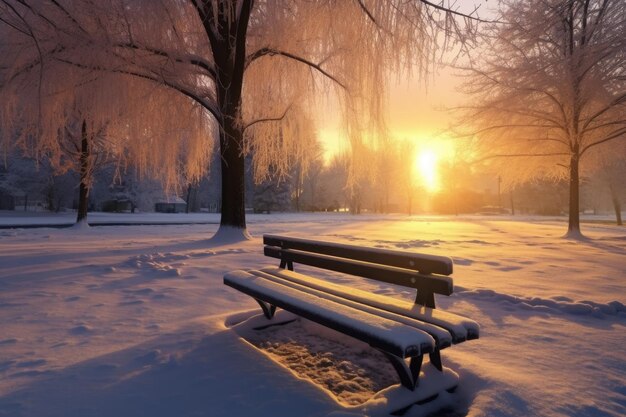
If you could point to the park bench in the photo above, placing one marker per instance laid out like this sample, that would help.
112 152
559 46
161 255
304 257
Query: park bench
404 331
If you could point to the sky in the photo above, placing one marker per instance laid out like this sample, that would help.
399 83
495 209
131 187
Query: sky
417 110
417 107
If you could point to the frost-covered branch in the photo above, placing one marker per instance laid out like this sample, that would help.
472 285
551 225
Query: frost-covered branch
617 101
452 11
272 52
517 155
185 59
619 133
267 119
367 12
209 106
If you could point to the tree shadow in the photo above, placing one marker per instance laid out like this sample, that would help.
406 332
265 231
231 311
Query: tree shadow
605 244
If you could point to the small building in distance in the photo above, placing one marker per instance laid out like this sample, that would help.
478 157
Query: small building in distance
171 205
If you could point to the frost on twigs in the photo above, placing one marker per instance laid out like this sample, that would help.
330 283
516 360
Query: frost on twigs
60 67
546 91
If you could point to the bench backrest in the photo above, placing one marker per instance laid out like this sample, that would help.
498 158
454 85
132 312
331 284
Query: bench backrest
426 273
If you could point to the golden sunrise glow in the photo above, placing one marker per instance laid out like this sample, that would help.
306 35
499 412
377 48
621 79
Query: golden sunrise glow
426 166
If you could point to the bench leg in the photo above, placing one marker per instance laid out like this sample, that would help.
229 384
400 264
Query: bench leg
409 374
286 264
268 309
425 298
435 359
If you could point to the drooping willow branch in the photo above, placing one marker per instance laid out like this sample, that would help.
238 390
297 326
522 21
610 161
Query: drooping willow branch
272 52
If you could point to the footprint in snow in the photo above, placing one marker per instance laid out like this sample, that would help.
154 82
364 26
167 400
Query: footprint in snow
80 329
6 365
105 368
29 364
131 302
462 261
140 291
29 373
509 268
153 357
41 294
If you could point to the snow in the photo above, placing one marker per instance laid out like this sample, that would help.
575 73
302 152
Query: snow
135 320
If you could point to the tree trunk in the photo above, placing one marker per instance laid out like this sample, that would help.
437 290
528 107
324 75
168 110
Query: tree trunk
616 205
573 226
299 187
233 175
512 204
83 193
227 36
188 199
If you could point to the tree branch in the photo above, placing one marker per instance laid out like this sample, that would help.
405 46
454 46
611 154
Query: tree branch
615 102
271 52
206 105
614 135
191 59
367 12
455 12
267 119
518 155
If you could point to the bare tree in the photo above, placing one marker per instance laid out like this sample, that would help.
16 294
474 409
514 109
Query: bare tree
609 176
549 87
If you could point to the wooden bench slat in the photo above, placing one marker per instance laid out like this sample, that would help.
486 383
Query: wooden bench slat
460 328
378 332
426 264
442 337
394 275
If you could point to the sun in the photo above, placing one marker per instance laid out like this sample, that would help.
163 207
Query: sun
426 163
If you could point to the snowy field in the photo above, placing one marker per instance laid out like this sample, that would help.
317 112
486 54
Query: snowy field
132 320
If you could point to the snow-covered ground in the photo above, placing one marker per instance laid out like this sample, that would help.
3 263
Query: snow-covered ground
132 320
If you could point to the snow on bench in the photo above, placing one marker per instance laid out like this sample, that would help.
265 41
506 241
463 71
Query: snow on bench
397 328
295 280
447 325
378 332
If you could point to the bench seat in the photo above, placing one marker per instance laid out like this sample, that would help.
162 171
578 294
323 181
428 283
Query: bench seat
441 336
381 333
460 328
